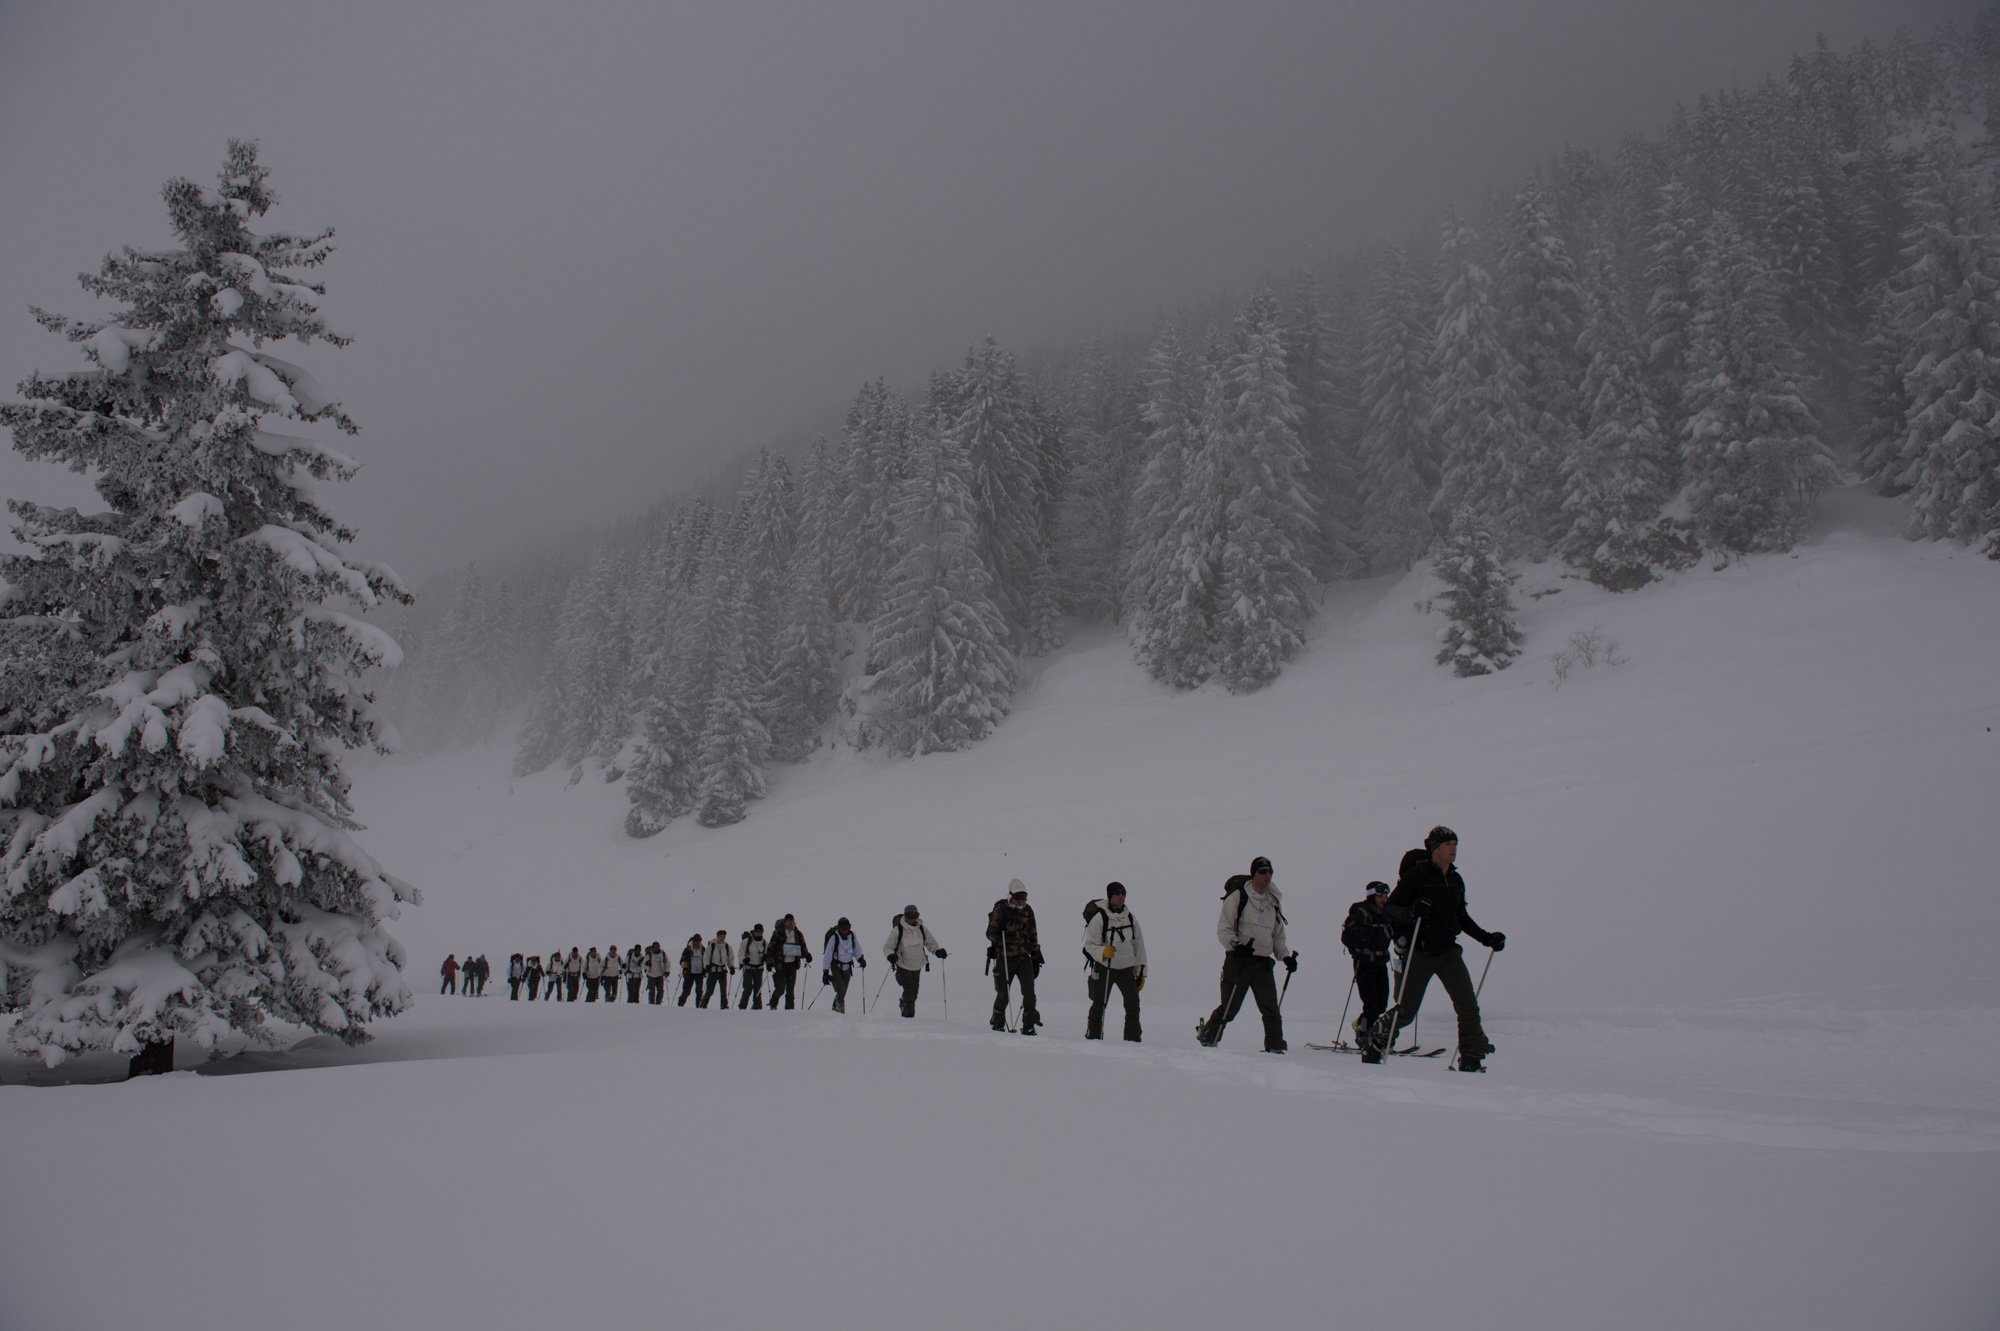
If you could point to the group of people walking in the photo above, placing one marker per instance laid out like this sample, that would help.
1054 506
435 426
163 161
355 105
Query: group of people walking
472 974
1414 927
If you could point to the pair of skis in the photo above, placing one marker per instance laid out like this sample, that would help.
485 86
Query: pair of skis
1412 1051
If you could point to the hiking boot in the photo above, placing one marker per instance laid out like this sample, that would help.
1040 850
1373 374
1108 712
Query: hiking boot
1471 1063
1276 1048
999 1025
1371 1056
1027 1030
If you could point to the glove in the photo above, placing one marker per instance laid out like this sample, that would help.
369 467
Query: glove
1244 950
1110 951
825 978
1292 964
1499 942
862 962
1038 958
942 953
1141 984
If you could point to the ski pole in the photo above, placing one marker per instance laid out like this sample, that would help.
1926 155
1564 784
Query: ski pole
1402 983
887 971
1482 974
1340 1040
1283 987
944 977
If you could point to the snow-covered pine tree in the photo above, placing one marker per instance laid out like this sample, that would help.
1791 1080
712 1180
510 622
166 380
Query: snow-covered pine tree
1174 573
664 781
1945 310
1093 526
734 742
1482 636
1619 475
1541 306
179 858
1753 460
1673 246
870 467
1399 454
1268 590
995 422
947 673
1324 398
1477 410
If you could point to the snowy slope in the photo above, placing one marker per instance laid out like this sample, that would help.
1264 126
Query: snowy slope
1749 1040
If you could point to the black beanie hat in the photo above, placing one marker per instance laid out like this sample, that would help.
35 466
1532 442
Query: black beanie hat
1260 865
1437 836
1378 889
1114 889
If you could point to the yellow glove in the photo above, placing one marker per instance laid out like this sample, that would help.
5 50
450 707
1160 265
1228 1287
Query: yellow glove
1141 984
1110 951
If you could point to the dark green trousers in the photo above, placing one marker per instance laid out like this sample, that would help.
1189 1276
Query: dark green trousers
1449 970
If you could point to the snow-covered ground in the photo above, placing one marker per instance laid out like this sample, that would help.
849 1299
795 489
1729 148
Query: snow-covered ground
1749 1036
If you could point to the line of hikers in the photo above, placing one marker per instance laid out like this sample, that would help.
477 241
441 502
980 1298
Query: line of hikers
1417 924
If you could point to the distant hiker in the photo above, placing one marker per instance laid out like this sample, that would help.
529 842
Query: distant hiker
634 970
517 971
450 972
754 949
555 976
485 973
788 953
1252 932
840 954
531 972
694 961
1116 951
572 974
656 974
593 974
909 948
1367 936
1014 952
721 965
1430 899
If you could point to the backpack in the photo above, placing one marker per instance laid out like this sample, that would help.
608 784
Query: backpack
1235 883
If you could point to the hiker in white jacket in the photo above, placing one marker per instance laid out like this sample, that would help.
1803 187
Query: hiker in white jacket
909 948
1251 929
840 954
721 964
1116 950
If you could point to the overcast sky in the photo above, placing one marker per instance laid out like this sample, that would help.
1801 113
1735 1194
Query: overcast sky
588 249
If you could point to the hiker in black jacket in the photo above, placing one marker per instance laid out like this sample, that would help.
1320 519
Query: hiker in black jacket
1367 938
788 952
1014 950
1430 899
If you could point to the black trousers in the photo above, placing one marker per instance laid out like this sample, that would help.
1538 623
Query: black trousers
450 985
1103 979
1007 970
690 984
534 985
841 976
784 980
656 988
753 989
1371 981
713 982
632 987
1243 976
909 981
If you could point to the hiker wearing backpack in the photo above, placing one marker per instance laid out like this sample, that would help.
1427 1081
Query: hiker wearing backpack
694 961
531 973
1430 899
754 949
1366 936
721 965
788 953
656 974
909 948
517 971
1014 952
572 974
840 953
593 974
1252 932
614 969
1116 951
450 973
635 971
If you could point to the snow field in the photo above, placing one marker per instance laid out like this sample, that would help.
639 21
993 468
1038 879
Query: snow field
1746 1019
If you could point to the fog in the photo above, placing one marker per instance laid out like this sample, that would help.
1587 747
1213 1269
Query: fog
589 255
